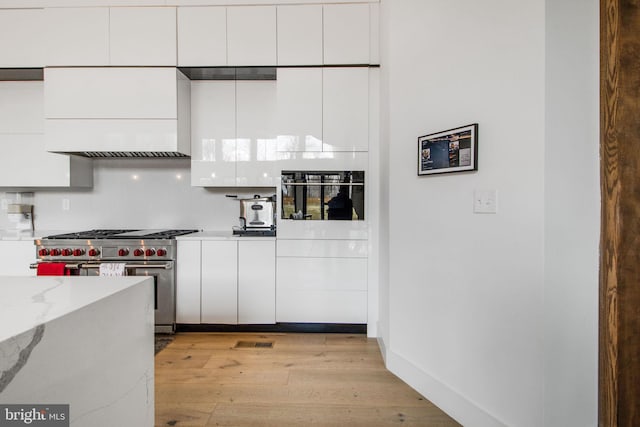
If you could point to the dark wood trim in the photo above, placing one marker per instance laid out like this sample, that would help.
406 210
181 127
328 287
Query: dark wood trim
619 331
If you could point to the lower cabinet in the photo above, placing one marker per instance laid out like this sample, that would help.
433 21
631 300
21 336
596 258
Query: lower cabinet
16 256
226 282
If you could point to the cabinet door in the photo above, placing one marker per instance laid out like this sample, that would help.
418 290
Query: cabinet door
188 281
21 38
219 282
345 109
202 36
110 93
142 35
251 35
77 36
213 133
300 35
256 133
257 282
346 34
299 109
16 256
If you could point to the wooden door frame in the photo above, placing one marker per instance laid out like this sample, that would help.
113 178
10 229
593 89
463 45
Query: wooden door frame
619 312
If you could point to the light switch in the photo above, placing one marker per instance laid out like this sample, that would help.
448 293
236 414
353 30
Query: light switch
485 201
4 204
65 204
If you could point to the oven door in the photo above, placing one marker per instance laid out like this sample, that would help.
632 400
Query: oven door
163 274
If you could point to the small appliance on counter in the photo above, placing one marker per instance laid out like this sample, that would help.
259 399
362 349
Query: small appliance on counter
257 216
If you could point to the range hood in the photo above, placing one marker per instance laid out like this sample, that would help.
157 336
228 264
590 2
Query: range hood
117 112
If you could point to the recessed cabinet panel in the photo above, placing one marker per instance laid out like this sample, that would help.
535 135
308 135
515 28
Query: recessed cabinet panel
188 268
202 36
346 34
219 282
345 109
256 282
299 109
110 93
300 35
251 35
21 107
21 38
77 36
213 133
142 36
256 133
16 257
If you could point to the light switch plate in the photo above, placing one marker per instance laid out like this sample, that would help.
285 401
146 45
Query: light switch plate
485 201
3 204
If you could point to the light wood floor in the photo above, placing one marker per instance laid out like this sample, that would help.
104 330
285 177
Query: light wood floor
304 380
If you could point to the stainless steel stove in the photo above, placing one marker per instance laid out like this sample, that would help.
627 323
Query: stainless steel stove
143 253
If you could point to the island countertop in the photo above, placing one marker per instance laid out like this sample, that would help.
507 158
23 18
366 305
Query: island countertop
26 302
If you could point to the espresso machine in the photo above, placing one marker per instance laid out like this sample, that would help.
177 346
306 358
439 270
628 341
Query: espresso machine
257 216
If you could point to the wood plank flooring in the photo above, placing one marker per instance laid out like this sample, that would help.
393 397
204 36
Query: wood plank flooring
304 380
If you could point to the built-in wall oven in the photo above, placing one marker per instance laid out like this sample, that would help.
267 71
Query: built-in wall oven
323 195
150 253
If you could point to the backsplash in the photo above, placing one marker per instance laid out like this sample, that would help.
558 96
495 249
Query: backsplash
146 193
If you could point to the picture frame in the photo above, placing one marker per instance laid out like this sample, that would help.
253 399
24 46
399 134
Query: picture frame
453 150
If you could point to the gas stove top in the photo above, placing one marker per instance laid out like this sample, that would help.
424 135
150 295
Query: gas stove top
123 234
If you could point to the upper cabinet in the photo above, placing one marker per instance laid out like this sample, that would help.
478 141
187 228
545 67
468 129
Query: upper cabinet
300 35
202 36
251 35
346 34
99 36
21 38
142 35
77 36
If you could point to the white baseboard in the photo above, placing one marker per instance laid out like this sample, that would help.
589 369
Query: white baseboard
455 405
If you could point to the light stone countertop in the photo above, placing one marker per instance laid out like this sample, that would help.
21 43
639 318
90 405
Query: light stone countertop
221 235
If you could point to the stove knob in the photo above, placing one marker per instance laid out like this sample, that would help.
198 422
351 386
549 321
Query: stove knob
67 252
43 252
150 252
162 252
123 252
78 252
95 252
54 252
138 252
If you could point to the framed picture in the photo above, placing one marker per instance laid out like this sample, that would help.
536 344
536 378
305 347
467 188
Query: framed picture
453 150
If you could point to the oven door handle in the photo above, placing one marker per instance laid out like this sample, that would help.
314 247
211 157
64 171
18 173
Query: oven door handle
165 266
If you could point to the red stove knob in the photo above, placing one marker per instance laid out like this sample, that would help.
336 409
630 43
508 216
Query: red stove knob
95 252
123 252
67 252
43 252
54 252
78 252
138 252
162 252
150 252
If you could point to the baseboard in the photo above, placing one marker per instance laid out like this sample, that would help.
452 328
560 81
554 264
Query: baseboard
327 328
454 404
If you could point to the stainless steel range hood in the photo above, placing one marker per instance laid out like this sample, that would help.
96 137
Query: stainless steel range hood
118 112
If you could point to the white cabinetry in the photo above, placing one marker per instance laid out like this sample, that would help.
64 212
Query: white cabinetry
24 161
16 256
226 281
299 109
345 109
233 133
21 38
346 34
251 35
117 109
300 35
76 36
219 290
202 36
142 36
322 281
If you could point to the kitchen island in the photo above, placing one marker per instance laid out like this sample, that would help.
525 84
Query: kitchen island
82 341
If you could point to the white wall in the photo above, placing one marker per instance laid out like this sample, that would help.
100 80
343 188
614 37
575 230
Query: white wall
466 291
131 193
572 213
